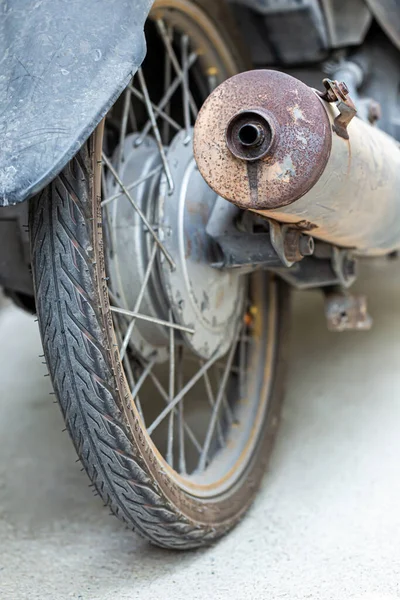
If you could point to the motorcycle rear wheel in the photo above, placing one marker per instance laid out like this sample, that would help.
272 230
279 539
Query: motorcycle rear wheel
174 499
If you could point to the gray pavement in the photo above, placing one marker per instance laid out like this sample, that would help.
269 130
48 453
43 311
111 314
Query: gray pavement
326 524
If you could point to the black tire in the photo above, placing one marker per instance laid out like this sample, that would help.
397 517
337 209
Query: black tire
79 345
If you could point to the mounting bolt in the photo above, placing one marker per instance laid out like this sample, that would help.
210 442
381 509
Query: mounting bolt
343 88
297 245
306 245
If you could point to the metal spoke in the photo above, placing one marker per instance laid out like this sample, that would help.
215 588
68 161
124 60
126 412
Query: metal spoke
186 427
156 131
225 402
124 124
170 451
185 85
154 379
181 394
138 210
113 298
127 366
220 374
156 109
140 381
218 364
214 416
181 439
138 301
167 83
167 97
131 186
211 401
168 46
132 118
130 313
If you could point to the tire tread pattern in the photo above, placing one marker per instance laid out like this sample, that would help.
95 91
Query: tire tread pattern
76 348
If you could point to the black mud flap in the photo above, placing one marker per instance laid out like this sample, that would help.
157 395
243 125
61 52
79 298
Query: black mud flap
63 63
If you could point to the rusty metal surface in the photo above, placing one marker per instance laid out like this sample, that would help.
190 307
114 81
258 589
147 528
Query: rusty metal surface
346 312
338 92
297 245
292 164
356 202
345 192
291 245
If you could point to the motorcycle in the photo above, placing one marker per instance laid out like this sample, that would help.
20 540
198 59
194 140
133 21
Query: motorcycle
158 207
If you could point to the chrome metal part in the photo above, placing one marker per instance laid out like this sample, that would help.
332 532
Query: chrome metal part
342 191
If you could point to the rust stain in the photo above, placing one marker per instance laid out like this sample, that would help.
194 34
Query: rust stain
252 175
297 157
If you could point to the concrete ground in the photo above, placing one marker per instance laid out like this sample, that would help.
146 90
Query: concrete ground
326 524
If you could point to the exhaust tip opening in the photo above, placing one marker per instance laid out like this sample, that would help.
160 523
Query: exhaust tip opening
249 135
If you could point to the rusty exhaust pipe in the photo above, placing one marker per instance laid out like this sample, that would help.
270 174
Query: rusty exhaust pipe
269 143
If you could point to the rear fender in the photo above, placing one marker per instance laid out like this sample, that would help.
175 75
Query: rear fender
63 63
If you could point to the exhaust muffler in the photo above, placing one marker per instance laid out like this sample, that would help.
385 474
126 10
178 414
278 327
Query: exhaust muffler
270 144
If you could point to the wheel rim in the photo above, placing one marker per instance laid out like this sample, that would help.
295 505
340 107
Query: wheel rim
207 406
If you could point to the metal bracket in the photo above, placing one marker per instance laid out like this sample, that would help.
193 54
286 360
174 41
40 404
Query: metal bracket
344 265
277 233
247 247
345 311
339 93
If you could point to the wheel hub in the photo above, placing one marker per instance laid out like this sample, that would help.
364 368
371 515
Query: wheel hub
201 298
130 247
